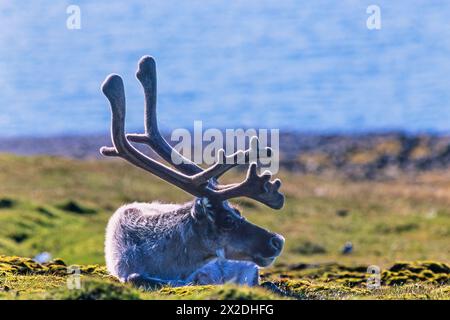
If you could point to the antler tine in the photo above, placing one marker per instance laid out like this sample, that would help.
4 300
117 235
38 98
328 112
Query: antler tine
114 91
225 163
146 75
259 188
192 178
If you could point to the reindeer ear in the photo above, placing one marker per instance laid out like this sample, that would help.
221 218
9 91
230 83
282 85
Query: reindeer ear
203 209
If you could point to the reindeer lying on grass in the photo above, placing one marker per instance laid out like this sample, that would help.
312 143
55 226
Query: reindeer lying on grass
205 241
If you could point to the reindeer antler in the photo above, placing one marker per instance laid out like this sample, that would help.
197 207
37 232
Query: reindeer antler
191 178
146 75
257 187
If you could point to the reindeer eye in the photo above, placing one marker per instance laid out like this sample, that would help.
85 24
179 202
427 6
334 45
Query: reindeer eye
228 222
228 219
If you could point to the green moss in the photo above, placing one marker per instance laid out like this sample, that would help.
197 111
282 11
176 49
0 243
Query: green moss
335 280
417 267
22 278
312 289
20 265
241 293
225 292
409 272
95 289
184 291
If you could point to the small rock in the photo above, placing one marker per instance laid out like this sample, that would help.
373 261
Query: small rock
43 257
348 248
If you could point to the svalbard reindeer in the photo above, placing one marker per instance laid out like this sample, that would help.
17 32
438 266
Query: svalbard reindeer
203 241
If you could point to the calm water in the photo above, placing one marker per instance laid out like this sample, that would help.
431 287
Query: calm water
303 65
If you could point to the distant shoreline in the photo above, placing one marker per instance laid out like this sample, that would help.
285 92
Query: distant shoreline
360 155
86 146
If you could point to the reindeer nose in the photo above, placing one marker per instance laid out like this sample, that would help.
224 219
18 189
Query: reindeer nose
277 242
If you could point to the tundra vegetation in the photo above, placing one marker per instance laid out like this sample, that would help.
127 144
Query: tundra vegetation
62 205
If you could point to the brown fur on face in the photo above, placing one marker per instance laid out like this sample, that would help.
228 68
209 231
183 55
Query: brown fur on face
241 239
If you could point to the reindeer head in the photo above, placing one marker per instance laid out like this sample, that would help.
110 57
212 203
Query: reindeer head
232 236
219 223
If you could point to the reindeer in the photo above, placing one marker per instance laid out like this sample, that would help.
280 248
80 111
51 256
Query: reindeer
206 240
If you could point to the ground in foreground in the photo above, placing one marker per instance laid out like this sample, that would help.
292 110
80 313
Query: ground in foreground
61 206
23 278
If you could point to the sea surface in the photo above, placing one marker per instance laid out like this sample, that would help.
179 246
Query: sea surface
310 66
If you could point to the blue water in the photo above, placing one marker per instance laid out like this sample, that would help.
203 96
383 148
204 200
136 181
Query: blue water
299 65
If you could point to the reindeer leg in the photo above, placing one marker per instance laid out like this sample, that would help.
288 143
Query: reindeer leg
221 271
241 272
150 283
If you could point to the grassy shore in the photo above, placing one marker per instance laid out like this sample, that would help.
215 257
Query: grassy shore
62 206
